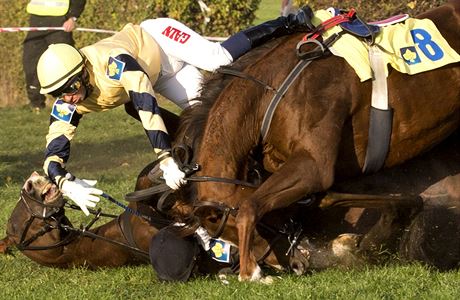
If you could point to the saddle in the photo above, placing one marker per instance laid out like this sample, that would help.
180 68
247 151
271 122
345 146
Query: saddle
381 114
361 29
351 23
354 25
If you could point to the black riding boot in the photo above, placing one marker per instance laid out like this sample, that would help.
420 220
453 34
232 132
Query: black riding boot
245 40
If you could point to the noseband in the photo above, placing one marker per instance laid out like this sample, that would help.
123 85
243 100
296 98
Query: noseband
48 210
52 216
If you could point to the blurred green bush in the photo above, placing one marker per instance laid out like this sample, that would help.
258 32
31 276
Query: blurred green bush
375 9
223 18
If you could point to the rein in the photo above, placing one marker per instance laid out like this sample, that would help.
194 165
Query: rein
189 168
236 73
300 66
73 233
221 180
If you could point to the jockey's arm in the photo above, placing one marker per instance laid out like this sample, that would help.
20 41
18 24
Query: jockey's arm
140 90
61 131
63 123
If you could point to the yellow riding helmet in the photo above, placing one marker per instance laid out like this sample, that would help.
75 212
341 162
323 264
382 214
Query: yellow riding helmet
57 65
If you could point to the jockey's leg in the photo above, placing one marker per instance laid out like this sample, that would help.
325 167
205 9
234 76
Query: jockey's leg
247 39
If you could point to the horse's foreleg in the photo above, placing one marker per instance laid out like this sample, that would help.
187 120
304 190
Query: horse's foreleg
299 176
296 178
249 269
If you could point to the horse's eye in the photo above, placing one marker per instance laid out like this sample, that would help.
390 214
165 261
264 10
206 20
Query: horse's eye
213 219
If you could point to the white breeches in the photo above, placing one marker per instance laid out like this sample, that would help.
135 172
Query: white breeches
183 52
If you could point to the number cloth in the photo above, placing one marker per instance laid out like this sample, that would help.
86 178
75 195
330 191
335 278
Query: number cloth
410 47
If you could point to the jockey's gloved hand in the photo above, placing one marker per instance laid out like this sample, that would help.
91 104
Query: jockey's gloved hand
173 176
203 238
82 192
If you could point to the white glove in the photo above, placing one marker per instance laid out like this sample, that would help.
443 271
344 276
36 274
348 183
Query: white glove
172 175
203 237
82 193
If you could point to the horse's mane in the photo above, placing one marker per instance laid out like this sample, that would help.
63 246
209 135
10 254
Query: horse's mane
193 120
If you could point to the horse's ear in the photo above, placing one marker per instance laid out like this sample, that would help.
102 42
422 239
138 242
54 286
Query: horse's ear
28 186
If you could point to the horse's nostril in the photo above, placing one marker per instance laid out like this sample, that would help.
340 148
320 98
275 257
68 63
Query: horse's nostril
298 268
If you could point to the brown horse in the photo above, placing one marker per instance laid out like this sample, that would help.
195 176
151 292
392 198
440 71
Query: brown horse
318 133
39 228
330 236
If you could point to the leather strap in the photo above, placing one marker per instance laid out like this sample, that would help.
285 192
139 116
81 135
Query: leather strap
381 115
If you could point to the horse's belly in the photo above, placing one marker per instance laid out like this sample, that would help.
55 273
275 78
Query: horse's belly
406 147
425 112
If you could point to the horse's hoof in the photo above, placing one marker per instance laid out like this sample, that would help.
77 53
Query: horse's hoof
345 244
267 280
223 279
256 275
346 251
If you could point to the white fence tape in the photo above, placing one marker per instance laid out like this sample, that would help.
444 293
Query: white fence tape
20 29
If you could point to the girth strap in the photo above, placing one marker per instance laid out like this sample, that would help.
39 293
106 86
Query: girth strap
381 115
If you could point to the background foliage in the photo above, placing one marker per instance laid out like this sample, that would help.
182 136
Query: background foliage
374 10
225 17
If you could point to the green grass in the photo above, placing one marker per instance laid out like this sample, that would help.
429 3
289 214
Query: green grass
112 148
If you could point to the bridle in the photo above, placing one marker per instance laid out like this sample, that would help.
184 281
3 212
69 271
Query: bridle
53 217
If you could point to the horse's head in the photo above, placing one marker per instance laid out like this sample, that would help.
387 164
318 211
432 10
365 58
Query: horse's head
40 193
37 214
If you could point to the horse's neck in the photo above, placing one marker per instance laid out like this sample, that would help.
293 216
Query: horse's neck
226 139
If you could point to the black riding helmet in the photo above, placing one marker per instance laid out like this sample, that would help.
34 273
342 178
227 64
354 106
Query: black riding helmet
173 258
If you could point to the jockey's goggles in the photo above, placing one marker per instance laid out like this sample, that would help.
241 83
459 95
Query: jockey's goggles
71 87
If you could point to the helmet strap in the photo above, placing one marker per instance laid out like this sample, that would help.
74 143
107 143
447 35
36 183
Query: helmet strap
86 83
